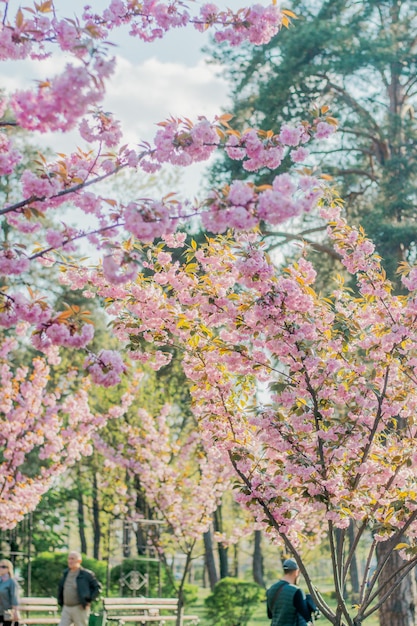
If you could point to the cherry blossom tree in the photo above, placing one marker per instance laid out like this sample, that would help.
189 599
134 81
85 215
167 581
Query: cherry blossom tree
44 430
310 400
182 482
67 100
71 99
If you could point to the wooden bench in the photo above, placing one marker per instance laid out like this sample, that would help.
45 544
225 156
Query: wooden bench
144 610
39 611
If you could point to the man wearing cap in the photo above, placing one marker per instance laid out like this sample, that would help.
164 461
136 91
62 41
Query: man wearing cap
286 603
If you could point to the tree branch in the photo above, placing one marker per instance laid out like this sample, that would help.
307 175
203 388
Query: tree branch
318 247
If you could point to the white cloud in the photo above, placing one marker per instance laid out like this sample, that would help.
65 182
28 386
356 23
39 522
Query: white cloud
139 95
144 94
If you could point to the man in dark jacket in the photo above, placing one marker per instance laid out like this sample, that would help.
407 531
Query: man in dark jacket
287 604
78 587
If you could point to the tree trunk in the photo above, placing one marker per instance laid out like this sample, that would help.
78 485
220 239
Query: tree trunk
353 571
339 534
236 560
257 559
209 559
180 591
140 507
81 522
96 519
223 560
127 531
221 549
400 608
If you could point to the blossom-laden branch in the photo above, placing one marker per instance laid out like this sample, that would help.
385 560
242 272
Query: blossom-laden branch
241 206
43 431
58 102
121 231
72 98
331 437
182 481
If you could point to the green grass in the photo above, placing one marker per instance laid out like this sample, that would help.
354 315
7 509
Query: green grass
259 618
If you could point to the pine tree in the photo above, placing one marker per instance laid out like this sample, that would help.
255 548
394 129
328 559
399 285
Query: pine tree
360 59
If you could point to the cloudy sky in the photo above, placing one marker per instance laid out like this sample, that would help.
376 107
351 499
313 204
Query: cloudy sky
152 81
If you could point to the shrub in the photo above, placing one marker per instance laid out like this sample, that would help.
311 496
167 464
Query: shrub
47 569
233 602
142 566
190 594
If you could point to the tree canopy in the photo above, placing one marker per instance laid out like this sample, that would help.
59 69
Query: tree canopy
359 58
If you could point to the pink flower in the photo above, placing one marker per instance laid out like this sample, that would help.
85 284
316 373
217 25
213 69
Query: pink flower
54 238
58 103
299 155
240 193
104 129
105 368
12 262
290 136
114 272
324 130
149 221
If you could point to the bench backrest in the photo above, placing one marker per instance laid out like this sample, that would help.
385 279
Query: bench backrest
135 604
109 602
38 604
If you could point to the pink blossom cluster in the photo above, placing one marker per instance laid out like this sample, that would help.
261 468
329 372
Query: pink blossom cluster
9 156
242 207
50 329
258 149
119 271
254 152
324 130
13 261
40 186
104 129
31 28
149 220
35 419
183 143
105 368
16 308
289 196
151 20
62 335
59 102
257 25
255 270
12 47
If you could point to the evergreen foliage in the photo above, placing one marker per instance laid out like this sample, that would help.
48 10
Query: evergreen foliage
360 59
